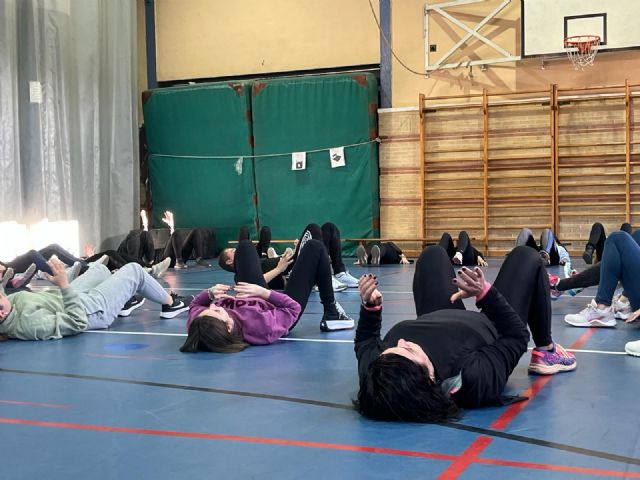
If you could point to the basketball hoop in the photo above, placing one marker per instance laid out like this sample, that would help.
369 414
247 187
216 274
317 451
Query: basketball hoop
582 50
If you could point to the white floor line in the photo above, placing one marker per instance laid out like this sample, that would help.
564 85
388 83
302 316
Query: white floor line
314 340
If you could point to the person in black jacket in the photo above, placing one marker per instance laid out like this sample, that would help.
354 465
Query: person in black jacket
426 370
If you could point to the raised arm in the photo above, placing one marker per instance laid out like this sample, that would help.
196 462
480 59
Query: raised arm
367 343
486 371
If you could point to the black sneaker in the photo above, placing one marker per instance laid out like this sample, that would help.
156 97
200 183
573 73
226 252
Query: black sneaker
202 262
334 323
180 304
134 302
587 256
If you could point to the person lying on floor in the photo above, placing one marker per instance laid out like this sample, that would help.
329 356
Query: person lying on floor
427 369
620 262
380 253
595 244
464 253
92 301
257 315
551 250
276 276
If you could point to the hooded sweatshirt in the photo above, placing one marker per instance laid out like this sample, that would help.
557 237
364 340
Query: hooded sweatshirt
261 321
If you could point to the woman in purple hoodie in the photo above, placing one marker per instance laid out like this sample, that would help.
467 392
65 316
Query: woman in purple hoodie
219 322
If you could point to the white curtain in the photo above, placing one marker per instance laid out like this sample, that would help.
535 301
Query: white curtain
75 154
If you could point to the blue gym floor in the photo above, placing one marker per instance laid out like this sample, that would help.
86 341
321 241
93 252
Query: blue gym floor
125 403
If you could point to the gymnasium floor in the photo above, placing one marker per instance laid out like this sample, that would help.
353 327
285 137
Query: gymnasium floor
125 403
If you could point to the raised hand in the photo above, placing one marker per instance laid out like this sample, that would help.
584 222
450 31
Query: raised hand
470 283
219 290
168 219
285 260
59 277
369 293
145 220
251 290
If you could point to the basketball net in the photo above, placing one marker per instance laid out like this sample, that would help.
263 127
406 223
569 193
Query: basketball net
582 50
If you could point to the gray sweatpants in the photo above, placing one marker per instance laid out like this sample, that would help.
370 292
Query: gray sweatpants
103 294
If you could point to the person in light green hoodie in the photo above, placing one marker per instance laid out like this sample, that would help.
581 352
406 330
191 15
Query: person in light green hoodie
92 301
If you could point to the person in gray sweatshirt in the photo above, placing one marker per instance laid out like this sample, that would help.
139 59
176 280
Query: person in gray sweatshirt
92 301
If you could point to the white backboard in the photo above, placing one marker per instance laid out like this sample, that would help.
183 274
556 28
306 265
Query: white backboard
546 23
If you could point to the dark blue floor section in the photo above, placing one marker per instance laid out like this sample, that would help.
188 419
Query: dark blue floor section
125 403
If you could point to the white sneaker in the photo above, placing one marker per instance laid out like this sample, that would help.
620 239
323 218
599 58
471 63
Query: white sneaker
633 348
375 255
73 271
337 285
592 316
621 309
271 252
159 268
346 278
361 253
457 258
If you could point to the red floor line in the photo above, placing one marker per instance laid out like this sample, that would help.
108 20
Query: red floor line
232 438
469 456
34 404
473 455
511 412
558 468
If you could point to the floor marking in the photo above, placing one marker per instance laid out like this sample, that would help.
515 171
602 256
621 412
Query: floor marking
34 404
469 456
472 454
453 425
192 388
513 410
317 340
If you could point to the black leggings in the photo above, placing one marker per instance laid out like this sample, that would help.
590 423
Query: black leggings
311 268
40 258
389 252
264 239
522 280
469 254
330 236
548 243
184 242
598 236
116 260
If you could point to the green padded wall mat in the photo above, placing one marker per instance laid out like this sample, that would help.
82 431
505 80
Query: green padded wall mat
206 120
204 193
317 113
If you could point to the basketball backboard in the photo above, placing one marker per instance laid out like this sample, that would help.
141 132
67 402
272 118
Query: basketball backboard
546 23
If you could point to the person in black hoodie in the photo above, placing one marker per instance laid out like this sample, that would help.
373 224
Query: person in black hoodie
428 369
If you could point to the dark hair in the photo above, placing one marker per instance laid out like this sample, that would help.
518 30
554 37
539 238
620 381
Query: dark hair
395 388
210 334
222 261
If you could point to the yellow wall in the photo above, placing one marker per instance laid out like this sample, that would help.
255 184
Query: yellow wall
408 43
218 38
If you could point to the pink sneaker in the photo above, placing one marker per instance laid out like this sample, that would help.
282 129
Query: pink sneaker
549 362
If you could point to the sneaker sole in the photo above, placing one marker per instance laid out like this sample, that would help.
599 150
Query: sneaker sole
337 325
588 259
551 369
631 352
361 254
375 256
594 323
341 288
127 312
174 313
